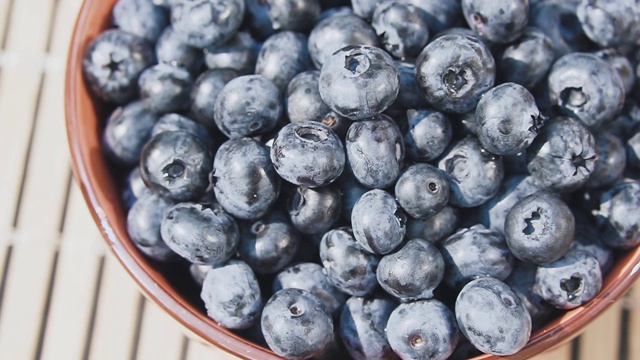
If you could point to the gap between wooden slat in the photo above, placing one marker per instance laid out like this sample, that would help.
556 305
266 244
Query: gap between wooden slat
5 10
47 306
142 302
161 337
633 306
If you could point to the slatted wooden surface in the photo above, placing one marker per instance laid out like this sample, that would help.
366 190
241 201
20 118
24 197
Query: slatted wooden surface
62 296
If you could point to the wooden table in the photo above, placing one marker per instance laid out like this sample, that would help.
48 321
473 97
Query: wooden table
62 296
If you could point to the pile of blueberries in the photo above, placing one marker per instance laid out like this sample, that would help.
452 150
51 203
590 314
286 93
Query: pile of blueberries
414 179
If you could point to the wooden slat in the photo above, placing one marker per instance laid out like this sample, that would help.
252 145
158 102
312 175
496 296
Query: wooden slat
633 305
4 17
161 337
601 338
80 256
117 314
561 353
198 350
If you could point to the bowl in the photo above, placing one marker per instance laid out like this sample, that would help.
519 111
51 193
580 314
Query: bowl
85 116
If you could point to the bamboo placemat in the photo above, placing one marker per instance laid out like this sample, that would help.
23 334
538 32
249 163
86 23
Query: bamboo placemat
62 295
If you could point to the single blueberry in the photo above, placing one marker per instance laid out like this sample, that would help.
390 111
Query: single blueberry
243 178
248 105
359 82
378 222
351 190
492 317
475 252
375 151
112 63
176 164
311 277
282 56
231 294
428 135
498 21
587 238
622 66
347 265
402 28
286 15
290 313
612 160
171 50
308 154
202 234
140 17
364 8
199 272
424 329
441 15
134 188
507 119
454 71
474 174
177 122
362 327
569 282
314 211
527 60
239 53
539 228
563 155
165 88
632 148
618 216
303 98
268 244
143 226
127 131
204 93
610 23
412 272
202 23
436 228
422 190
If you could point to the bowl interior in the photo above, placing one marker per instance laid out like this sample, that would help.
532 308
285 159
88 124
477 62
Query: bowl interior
173 290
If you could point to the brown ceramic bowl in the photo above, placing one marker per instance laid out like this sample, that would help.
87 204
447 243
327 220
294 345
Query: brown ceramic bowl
85 118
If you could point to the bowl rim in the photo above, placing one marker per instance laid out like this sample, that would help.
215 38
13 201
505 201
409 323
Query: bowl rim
88 171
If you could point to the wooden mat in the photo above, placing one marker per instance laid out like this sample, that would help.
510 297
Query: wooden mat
62 296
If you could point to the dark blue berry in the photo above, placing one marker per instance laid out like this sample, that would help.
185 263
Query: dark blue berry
378 222
127 131
170 49
283 56
618 216
165 88
204 93
428 135
239 53
528 59
143 226
498 21
402 28
314 211
422 190
202 23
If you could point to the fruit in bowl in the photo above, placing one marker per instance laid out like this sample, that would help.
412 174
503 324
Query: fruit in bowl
290 189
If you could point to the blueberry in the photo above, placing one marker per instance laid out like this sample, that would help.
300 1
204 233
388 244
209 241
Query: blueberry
633 151
474 174
428 135
204 93
231 294
522 280
618 216
507 119
563 155
199 273
501 21
177 122
539 228
359 82
248 105
112 63
454 71
171 50
291 15
492 317
310 277
308 154
365 8
177 165
375 151
436 228
239 53
143 226
134 188
412 272
362 328
558 20
622 66
128 129
337 31
587 238
378 222
244 180
351 190
410 96
165 88
303 98
612 160
287 315
422 190
514 188
140 17
584 86
527 60
348 266
204 235
441 15
424 329
569 282
202 23
314 211
475 252
610 23
268 244
402 28
283 56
